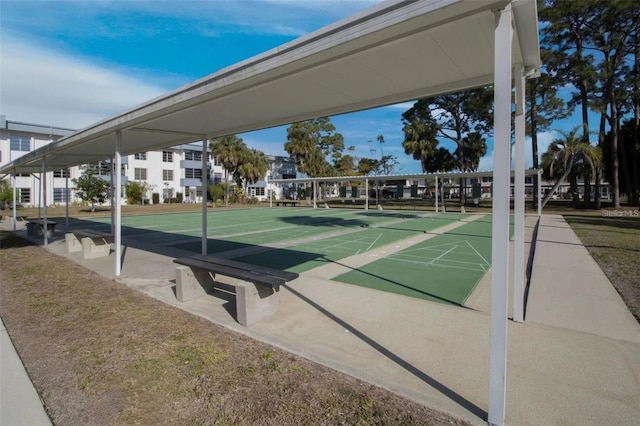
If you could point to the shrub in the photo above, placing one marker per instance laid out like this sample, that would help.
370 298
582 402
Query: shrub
178 197
134 192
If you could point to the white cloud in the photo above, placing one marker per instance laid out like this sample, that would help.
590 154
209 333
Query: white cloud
44 87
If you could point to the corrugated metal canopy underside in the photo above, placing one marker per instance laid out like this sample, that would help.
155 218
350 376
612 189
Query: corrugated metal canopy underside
393 52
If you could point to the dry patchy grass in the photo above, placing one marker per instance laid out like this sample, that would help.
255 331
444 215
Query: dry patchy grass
101 353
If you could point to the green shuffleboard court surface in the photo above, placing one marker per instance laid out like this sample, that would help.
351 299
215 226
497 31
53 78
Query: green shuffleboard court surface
302 257
444 269
252 229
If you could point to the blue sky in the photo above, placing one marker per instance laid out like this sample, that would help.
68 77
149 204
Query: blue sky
72 63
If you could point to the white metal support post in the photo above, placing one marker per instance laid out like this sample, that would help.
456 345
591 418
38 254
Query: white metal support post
203 181
40 194
15 217
518 237
366 193
539 195
113 195
43 197
117 235
500 221
66 197
436 194
315 194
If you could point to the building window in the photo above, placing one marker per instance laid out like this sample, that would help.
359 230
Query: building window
140 156
25 195
257 191
216 162
167 193
140 174
193 155
167 175
60 195
62 173
20 143
193 173
167 157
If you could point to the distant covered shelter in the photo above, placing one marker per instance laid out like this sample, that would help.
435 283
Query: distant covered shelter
436 178
393 52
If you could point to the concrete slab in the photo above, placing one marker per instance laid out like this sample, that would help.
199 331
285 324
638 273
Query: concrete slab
568 290
438 355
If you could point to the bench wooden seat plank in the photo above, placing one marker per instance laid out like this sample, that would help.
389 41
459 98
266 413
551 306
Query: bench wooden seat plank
257 291
228 271
91 233
287 276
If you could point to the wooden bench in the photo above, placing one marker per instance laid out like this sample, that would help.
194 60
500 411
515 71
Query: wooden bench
36 227
93 244
257 288
284 203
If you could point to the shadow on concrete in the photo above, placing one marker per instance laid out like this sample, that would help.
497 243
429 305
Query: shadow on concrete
449 393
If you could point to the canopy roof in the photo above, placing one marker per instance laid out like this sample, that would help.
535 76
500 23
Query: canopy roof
393 52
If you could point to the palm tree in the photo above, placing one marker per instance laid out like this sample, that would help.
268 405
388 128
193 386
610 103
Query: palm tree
561 156
229 150
419 141
253 167
588 160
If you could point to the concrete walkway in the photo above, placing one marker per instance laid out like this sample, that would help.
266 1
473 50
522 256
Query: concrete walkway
566 364
19 401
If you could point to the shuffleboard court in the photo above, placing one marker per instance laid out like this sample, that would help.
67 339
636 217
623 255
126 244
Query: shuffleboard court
444 269
289 227
302 257
242 228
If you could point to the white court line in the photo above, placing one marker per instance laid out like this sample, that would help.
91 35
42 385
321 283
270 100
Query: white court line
441 265
319 244
481 256
443 254
374 241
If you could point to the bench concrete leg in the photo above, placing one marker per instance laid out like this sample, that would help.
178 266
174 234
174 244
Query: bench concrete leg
254 302
191 285
72 243
91 250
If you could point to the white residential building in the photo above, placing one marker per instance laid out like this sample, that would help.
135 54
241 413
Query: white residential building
17 139
170 172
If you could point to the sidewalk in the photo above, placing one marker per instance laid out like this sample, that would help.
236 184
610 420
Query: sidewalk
20 404
566 365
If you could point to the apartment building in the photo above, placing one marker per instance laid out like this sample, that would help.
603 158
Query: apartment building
16 140
173 173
